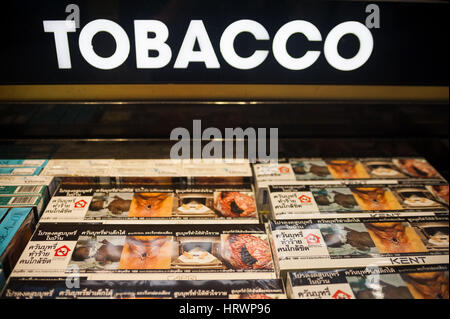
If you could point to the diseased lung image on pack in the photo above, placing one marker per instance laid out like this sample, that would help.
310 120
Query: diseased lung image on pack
246 251
235 204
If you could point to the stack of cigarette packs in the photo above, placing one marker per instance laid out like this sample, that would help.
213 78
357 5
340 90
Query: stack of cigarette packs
346 228
179 231
303 228
22 167
22 202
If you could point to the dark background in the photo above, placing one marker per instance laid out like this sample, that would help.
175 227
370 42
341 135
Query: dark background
410 48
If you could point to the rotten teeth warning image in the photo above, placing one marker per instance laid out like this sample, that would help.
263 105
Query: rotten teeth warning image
359 242
146 252
372 282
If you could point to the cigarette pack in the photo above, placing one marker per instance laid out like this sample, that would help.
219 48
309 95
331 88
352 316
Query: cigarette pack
23 162
78 167
148 252
359 242
372 282
27 184
35 202
146 168
82 287
152 204
27 191
331 199
20 171
216 168
16 227
21 167
266 173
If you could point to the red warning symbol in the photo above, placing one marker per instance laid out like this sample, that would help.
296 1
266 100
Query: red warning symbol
304 199
284 169
339 294
312 239
62 251
80 204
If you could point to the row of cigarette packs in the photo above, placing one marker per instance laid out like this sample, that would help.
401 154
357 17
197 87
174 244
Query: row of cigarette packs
405 248
346 171
300 200
22 189
22 167
226 204
147 167
407 282
399 168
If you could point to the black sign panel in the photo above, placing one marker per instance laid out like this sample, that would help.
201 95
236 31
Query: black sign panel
410 45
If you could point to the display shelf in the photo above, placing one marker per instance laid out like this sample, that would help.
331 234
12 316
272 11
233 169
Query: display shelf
434 149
